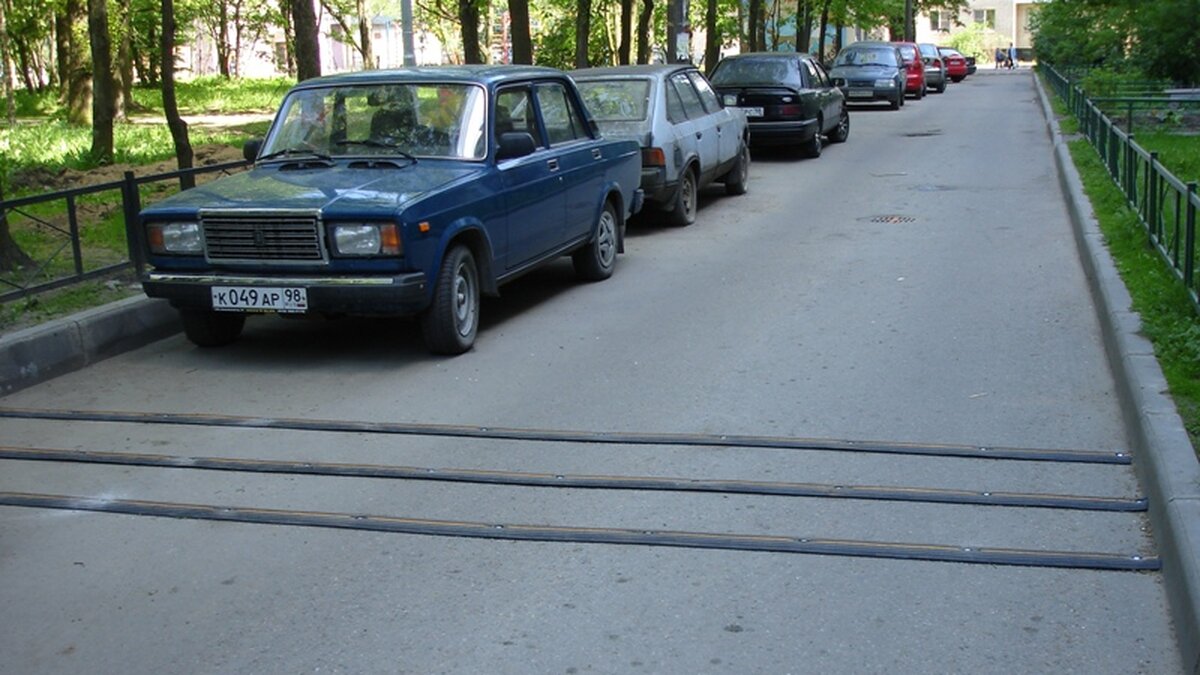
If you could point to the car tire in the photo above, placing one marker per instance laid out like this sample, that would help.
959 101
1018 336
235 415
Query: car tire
842 131
813 146
897 102
206 328
957 79
739 175
596 260
942 86
686 198
451 322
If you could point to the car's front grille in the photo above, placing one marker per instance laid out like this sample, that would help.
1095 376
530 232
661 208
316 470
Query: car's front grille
283 237
861 83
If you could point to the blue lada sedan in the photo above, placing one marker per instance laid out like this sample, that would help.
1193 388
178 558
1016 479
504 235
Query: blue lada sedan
403 192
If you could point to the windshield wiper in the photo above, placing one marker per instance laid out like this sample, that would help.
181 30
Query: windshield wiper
288 152
373 143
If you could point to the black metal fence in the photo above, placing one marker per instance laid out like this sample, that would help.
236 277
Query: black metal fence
52 270
1165 205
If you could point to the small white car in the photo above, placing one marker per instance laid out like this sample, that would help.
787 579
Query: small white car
689 138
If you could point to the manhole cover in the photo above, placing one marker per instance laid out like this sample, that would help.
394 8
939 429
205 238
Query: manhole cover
893 219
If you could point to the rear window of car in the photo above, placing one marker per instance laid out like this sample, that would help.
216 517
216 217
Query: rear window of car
751 70
928 50
622 100
866 56
907 51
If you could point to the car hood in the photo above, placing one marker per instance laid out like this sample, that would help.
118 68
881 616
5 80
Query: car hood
637 131
340 187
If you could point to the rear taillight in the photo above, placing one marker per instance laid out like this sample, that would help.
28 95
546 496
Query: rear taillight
788 110
653 157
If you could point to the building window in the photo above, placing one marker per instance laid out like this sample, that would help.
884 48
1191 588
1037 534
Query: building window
940 21
986 17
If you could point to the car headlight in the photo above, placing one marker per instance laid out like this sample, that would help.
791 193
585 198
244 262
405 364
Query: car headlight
366 239
175 238
886 84
730 99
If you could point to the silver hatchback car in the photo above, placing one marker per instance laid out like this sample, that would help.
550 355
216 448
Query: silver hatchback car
688 138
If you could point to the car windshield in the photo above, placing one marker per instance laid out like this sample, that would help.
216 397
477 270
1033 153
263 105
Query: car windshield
397 119
751 70
928 50
624 100
866 56
907 51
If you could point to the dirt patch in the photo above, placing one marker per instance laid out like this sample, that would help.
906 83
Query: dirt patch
43 179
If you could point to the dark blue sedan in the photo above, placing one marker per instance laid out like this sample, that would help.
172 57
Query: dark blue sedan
397 192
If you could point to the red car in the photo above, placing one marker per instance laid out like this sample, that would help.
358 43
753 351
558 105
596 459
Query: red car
914 69
956 63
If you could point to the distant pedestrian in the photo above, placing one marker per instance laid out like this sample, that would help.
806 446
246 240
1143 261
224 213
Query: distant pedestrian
1012 56
999 58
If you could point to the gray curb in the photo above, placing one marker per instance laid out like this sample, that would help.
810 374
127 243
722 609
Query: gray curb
36 354
1163 454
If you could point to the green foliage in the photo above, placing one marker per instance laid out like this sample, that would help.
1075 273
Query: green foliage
1082 32
1180 154
976 40
1168 44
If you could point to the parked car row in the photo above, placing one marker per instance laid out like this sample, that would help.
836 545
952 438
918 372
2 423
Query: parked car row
418 191
871 71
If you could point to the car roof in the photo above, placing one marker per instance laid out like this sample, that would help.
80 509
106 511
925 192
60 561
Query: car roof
777 55
482 74
643 70
871 43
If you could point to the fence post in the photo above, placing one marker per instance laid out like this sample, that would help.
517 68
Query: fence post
1189 255
131 203
1129 118
73 228
1152 215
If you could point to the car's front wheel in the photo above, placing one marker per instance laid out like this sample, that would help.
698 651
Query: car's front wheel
684 212
736 179
842 131
211 329
450 323
596 260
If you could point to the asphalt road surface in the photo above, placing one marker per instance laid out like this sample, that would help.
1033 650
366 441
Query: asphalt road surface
917 287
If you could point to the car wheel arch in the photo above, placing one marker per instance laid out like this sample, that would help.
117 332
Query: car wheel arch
472 235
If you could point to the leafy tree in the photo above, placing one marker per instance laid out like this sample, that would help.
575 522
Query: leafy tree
176 123
1169 39
1082 32
308 54
103 90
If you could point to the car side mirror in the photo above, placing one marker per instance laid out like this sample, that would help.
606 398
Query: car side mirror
251 148
515 144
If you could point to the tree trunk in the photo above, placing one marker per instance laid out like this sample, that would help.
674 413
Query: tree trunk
10 103
289 37
626 32
468 16
643 30
712 41
62 50
824 27
124 72
221 39
308 50
803 26
11 255
103 91
583 25
364 36
79 79
177 125
754 10
522 43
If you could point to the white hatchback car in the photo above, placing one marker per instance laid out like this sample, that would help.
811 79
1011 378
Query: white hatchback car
688 138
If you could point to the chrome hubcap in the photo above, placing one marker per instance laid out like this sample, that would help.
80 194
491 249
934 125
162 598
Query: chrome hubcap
606 239
464 300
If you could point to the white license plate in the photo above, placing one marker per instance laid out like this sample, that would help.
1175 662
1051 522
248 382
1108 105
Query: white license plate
259 299
861 93
753 112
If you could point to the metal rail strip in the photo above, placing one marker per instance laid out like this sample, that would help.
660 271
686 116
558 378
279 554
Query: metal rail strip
591 535
524 479
575 436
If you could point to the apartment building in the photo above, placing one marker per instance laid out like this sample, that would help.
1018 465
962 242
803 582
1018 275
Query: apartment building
1008 18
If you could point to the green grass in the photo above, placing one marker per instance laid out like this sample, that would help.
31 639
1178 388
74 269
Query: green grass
1180 154
1169 319
215 94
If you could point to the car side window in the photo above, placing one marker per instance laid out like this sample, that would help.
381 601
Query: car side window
707 96
675 112
822 76
687 93
563 121
514 112
811 79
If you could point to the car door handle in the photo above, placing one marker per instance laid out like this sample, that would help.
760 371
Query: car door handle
596 154
699 134
553 164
